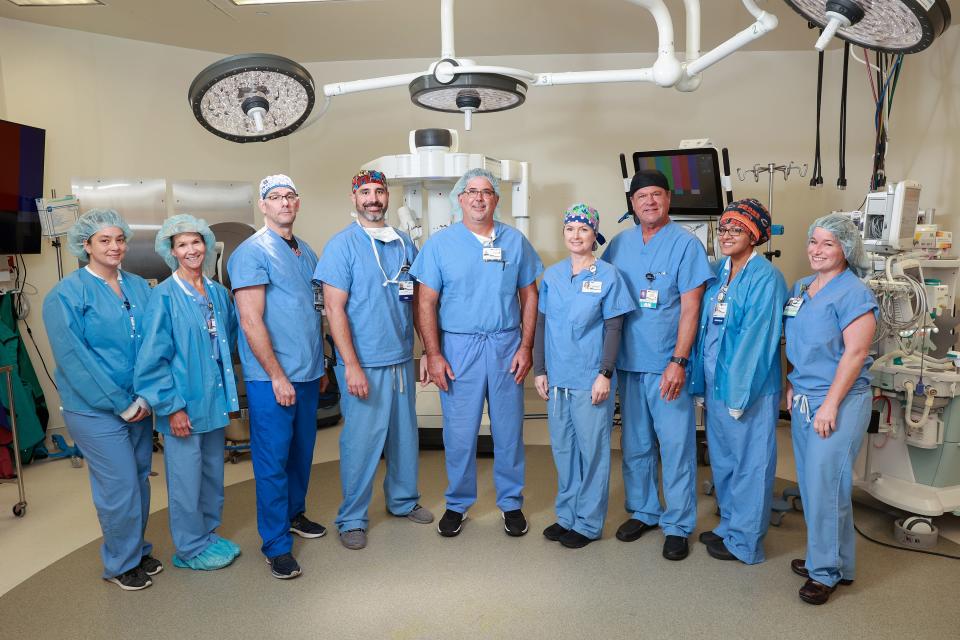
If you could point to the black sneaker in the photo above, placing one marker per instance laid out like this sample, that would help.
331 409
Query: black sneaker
574 540
675 548
514 523
150 565
554 532
284 566
632 529
451 523
306 528
132 580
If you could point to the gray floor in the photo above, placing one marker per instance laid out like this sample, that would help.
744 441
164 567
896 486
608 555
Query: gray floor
411 583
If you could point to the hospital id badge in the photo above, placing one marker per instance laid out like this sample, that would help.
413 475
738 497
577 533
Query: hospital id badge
591 286
793 306
212 326
406 290
719 313
648 298
493 254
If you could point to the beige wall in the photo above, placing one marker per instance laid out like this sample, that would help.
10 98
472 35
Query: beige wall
118 107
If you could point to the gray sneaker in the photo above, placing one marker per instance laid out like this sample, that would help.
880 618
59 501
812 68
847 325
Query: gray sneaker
420 515
354 539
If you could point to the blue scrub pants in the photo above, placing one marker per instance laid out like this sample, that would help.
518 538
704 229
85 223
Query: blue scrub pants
652 428
118 457
194 466
386 422
481 363
825 474
281 445
743 459
580 438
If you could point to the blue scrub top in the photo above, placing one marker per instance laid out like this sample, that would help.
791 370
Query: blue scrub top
93 341
574 339
477 296
745 347
678 263
292 321
380 323
179 366
815 334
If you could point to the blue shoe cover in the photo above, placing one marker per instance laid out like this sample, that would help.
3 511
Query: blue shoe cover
211 559
227 545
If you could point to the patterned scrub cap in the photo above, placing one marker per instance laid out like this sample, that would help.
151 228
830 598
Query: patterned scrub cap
270 183
587 215
368 177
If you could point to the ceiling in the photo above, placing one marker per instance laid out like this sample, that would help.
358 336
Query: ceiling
388 29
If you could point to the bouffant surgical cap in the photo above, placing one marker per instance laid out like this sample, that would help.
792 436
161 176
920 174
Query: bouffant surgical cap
847 234
456 213
90 223
185 223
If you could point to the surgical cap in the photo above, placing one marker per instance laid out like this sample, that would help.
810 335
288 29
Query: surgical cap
90 223
456 213
751 214
185 223
847 234
270 183
368 177
648 178
587 215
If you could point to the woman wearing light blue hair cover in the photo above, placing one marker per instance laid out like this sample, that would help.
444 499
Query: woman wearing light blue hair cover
456 212
185 372
829 324
94 321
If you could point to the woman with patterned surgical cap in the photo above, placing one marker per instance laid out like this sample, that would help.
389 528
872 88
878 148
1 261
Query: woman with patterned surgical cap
94 321
186 374
829 323
581 307
736 368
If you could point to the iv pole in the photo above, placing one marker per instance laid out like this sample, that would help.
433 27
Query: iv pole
770 169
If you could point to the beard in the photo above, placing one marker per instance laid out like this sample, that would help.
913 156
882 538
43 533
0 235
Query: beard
372 216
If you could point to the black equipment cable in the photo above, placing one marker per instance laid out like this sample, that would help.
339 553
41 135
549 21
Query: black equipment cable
842 171
817 179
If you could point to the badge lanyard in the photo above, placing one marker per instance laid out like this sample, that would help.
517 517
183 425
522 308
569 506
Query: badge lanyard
123 294
720 310
210 319
590 284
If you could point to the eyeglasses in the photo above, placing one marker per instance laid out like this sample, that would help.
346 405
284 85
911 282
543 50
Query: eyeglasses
473 194
289 197
733 232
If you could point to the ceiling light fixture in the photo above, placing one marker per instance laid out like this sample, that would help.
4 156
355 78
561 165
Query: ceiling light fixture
55 3
252 97
891 26
453 84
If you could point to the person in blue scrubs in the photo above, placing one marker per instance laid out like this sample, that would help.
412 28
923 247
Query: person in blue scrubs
482 275
94 321
736 369
369 298
582 302
185 372
829 324
283 370
666 269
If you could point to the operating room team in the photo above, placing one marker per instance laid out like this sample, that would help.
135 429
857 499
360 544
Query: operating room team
651 324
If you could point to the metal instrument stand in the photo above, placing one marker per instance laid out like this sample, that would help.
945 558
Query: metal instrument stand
19 509
770 169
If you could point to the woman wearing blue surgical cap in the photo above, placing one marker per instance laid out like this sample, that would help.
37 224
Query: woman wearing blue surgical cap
735 366
185 372
94 321
830 323
581 306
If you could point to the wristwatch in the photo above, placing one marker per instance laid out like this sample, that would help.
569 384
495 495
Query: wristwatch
680 361
606 373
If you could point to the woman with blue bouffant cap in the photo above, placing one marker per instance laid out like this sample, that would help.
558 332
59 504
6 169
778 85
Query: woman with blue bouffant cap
186 374
94 321
830 321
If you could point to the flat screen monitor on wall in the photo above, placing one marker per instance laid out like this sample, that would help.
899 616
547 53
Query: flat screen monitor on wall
21 182
694 177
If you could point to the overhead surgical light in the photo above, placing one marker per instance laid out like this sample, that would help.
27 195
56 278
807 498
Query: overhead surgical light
891 26
257 97
252 97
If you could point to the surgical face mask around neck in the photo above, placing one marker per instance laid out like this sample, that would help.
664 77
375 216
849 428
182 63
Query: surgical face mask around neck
383 234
